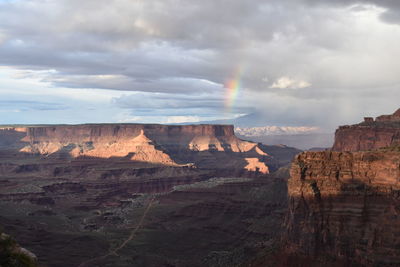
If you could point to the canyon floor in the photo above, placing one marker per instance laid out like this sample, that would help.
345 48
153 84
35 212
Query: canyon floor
187 208
190 218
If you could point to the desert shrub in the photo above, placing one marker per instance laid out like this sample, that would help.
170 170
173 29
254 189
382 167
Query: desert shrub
10 256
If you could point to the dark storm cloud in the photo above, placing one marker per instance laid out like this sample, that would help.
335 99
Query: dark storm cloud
143 40
291 56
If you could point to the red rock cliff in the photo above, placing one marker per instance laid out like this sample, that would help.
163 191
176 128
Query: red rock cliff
344 205
153 143
368 135
95 132
194 137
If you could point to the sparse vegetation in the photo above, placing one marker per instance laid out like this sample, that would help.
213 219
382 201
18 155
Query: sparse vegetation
11 255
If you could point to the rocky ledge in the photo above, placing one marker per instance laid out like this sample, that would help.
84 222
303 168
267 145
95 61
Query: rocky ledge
11 254
384 131
344 207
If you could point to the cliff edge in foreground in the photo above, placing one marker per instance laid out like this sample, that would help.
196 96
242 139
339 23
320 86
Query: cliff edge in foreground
12 255
344 207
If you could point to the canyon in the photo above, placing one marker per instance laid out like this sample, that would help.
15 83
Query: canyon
197 195
121 194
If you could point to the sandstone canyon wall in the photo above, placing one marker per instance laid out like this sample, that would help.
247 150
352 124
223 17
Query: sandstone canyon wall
198 145
344 206
384 131
194 137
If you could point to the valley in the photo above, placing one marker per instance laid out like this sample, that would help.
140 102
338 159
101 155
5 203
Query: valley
95 196
197 195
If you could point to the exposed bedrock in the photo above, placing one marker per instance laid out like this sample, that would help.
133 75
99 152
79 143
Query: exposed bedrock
12 254
344 207
72 193
200 145
194 137
384 131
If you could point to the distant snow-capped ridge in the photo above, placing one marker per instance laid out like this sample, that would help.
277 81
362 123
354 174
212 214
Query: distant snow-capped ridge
275 130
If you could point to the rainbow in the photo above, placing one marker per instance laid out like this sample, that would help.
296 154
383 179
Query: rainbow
232 87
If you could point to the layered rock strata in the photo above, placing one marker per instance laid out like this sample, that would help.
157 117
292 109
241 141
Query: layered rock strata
344 206
198 145
194 137
384 131
72 194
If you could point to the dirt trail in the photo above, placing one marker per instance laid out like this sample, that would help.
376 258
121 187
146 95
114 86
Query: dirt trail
135 229
131 236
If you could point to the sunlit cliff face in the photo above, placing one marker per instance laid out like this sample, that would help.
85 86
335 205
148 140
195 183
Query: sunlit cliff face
155 144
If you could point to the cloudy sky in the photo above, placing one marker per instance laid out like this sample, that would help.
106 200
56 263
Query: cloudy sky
295 62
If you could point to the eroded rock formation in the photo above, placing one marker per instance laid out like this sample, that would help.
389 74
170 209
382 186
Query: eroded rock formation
384 131
344 207
197 145
193 137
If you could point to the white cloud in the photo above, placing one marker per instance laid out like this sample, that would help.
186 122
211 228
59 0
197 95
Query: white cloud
288 83
182 119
